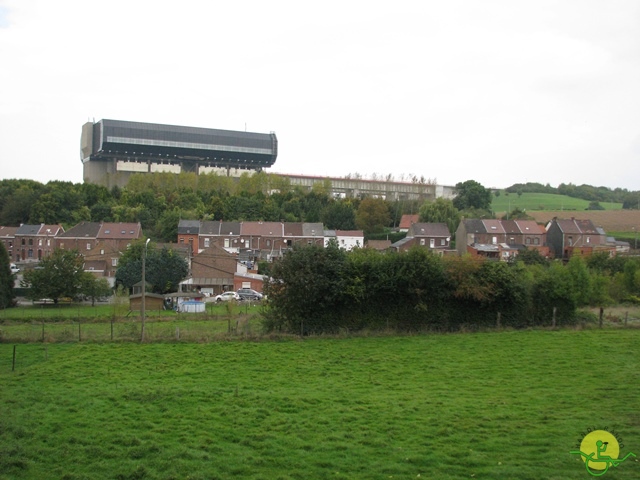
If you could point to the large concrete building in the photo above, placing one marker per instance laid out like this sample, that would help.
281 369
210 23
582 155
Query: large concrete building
113 150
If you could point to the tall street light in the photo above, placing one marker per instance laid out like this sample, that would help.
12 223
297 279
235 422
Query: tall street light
144 288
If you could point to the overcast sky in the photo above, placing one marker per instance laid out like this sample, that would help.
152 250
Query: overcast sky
500 92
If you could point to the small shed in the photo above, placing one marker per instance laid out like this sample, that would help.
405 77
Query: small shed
152 301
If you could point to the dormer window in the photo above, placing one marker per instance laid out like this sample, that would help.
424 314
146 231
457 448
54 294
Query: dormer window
107 231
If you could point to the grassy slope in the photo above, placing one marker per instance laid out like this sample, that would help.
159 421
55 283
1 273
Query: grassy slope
544 201
493 405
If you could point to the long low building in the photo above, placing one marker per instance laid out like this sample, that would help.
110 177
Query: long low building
113 150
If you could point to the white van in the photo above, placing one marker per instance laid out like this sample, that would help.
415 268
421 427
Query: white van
14 268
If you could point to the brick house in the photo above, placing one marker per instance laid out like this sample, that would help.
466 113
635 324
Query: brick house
511 233
567 237
35 242
434 236
264 239
8 238
85 236
212 269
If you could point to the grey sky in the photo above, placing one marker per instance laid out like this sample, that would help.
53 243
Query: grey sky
501 91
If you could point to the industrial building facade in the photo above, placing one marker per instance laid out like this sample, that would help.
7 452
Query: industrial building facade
113 150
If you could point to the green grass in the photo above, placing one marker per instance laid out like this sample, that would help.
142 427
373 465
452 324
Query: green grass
492 405
543 201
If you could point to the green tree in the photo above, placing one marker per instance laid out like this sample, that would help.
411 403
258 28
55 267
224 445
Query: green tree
94 288
58 275
471 194
164 269
372 215
7 294
440 211
306 291
339 215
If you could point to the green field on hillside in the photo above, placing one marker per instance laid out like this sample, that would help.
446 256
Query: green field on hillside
508 405
506 202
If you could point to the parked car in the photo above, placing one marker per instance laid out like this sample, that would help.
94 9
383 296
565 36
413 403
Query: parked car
226 296
14 268
249 294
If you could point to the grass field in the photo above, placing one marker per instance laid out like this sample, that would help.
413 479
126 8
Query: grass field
544 201
507 405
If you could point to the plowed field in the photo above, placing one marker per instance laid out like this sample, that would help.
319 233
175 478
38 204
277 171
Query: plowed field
609 220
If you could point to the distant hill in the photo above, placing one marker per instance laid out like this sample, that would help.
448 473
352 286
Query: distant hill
506 202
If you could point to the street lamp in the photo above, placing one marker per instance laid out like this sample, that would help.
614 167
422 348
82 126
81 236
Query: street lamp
144 288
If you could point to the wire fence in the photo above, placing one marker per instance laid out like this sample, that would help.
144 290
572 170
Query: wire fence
201 329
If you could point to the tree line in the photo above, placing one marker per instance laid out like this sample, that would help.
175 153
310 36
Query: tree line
159 201
629 199
316 290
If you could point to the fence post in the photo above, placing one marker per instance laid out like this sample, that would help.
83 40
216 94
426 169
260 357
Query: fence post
498 320
601 315
626 315
177 333
13 363
553 319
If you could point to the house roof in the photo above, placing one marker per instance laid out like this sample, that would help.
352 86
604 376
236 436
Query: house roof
573 226
263 229
312 229
186 227
82 230
529 227
349 233
8 231
407 220
474 225
401 242
220 228
119 231
378 244
429 230
28 229
493 226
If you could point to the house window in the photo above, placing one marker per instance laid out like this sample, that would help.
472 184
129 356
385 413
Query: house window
182 240
23 241
527 241
114 262
432 242
422 241
494 240
30 253
311 241
512 241
10 244
536 241
570 241
443 241
61 244
102 251
268 243
206 242
226 243
30 241
39 242
88 246
588 239
48 242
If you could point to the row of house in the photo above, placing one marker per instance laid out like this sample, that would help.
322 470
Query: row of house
223 255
